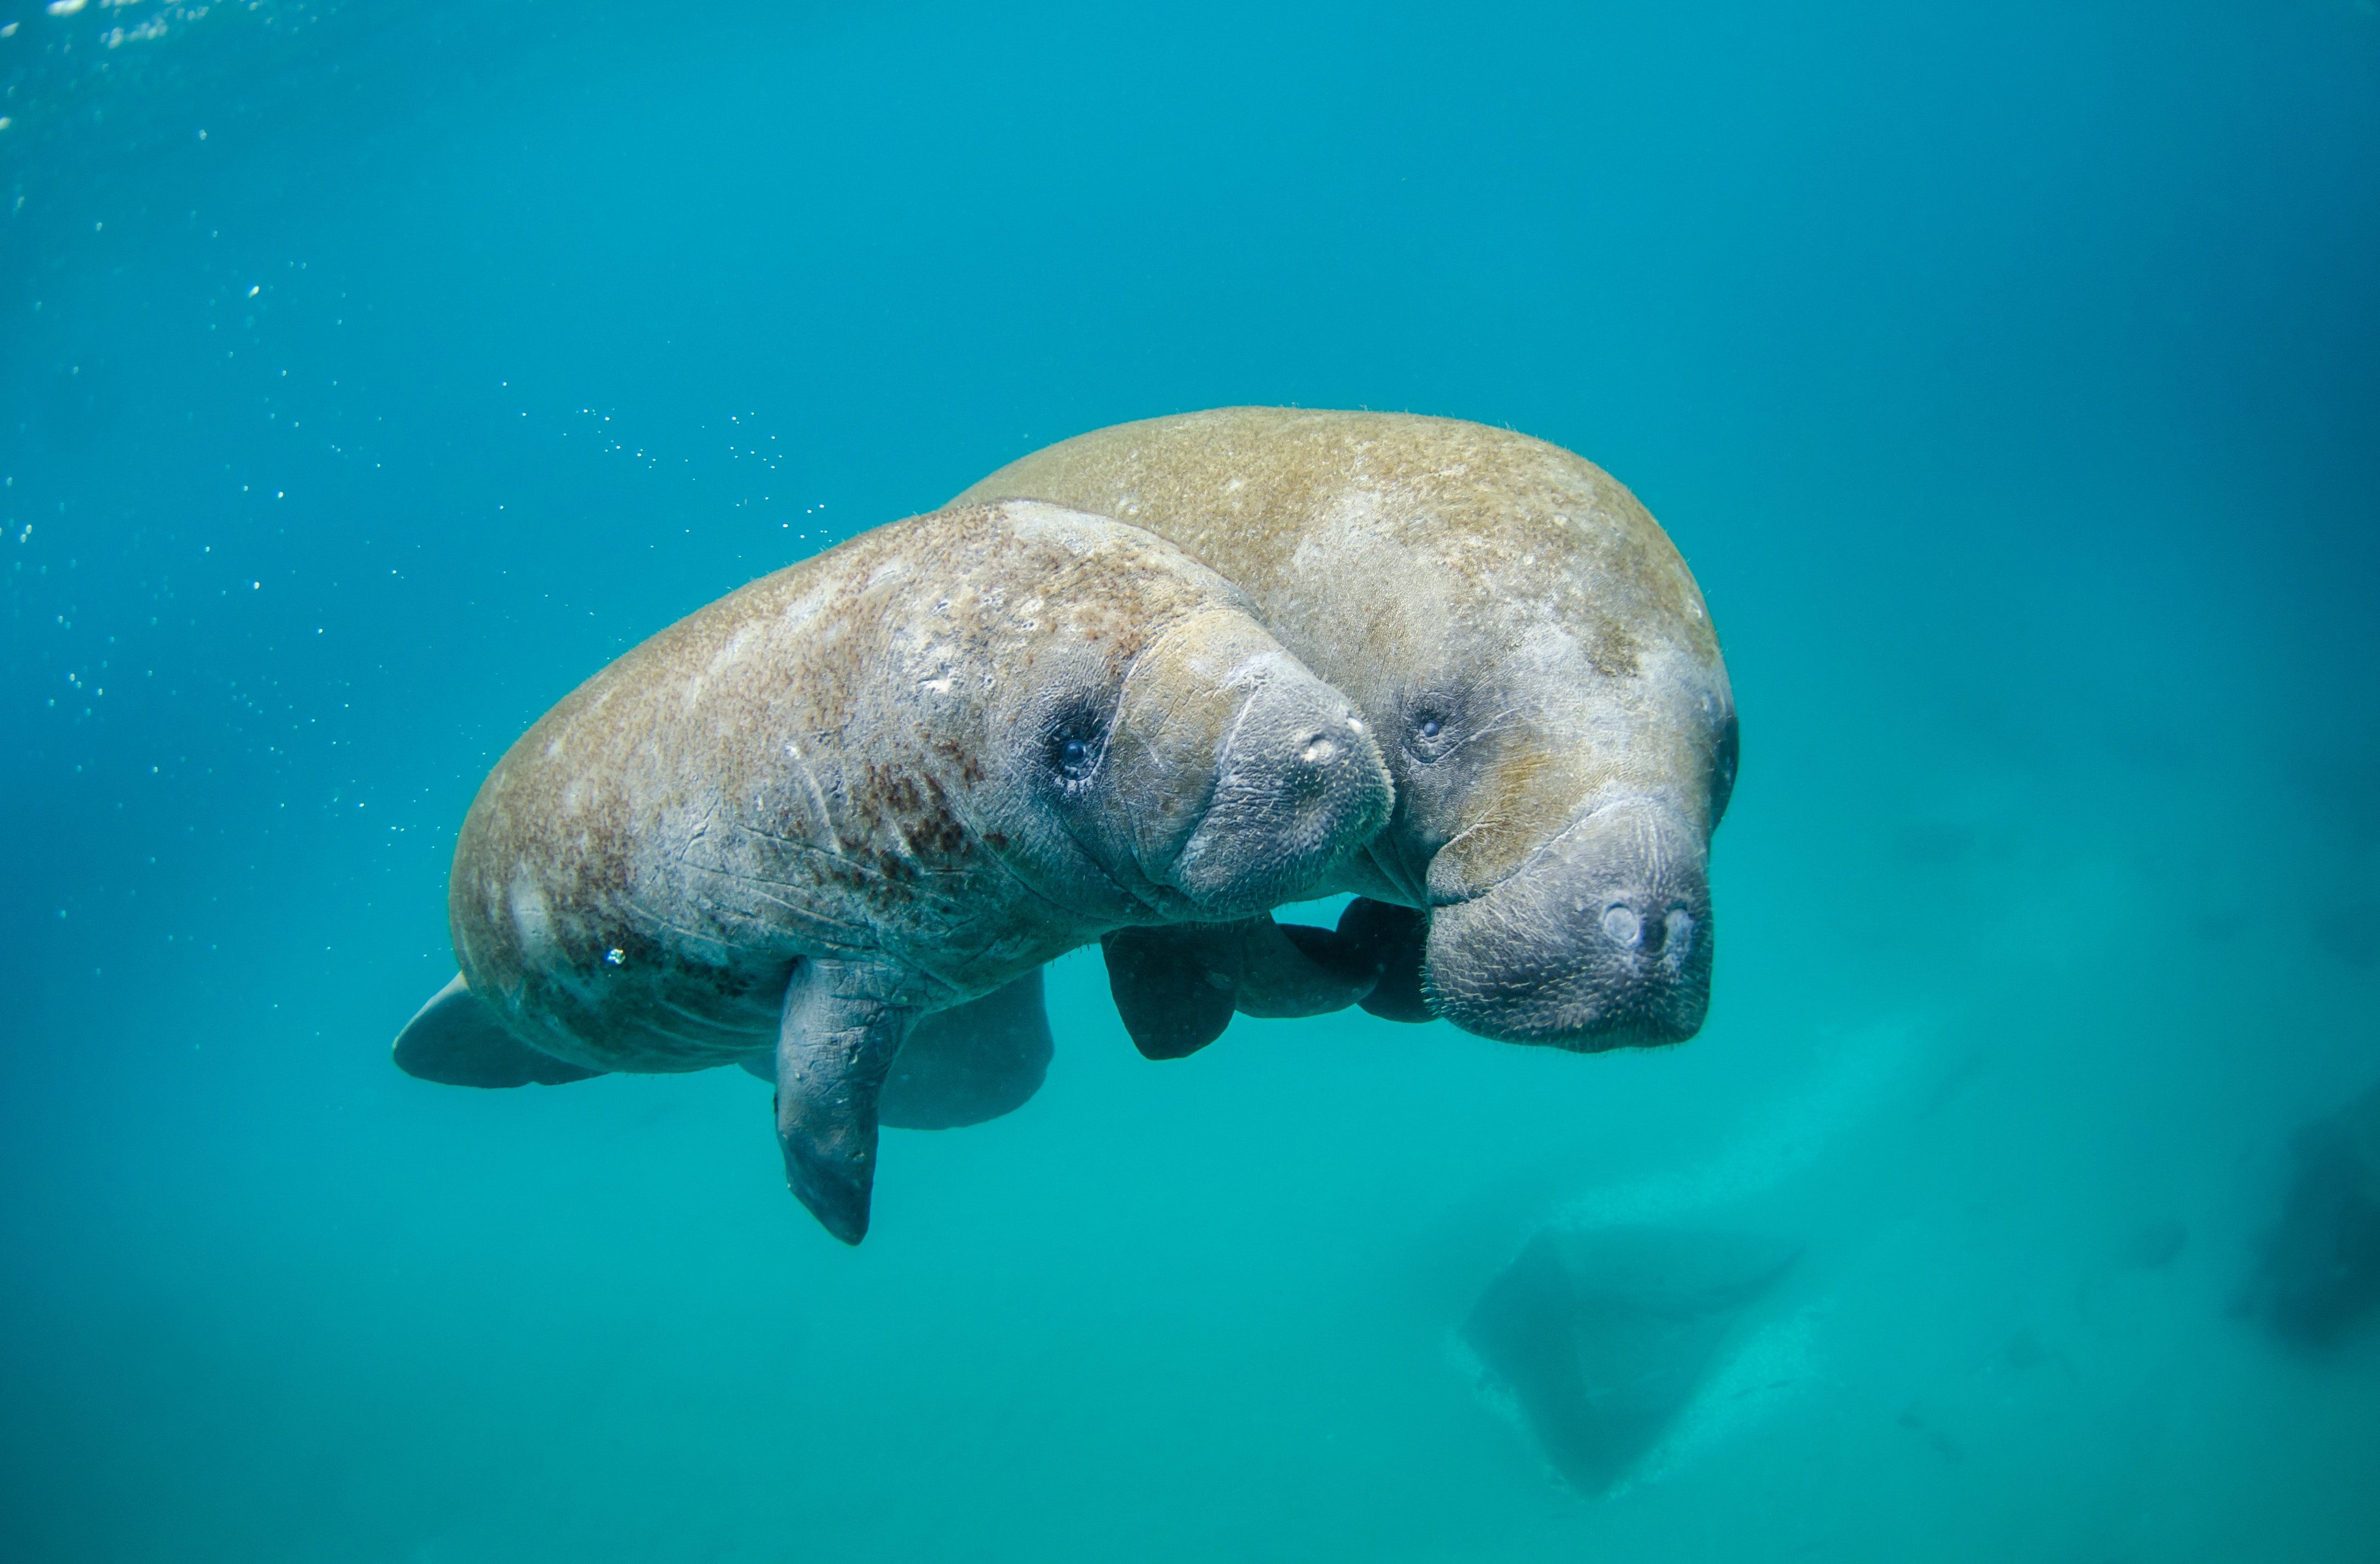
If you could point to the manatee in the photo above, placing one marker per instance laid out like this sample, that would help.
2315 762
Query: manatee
888 782
2317 1275
1602 1336
1539 669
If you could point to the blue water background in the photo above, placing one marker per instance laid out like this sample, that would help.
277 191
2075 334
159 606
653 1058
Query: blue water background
2009 375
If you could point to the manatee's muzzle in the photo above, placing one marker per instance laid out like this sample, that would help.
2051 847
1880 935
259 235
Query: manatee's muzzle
1300 786
1602 940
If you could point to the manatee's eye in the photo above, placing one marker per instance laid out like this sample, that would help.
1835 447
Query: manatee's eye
1430 730
1071 749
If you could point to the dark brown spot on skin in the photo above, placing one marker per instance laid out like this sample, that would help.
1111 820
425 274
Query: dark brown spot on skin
1612 652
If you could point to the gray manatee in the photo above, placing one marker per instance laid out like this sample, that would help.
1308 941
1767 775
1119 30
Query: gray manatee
889 781
1601 1337
1538 667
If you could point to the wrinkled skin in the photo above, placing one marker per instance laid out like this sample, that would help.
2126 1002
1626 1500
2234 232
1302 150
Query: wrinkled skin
1534 658
889 781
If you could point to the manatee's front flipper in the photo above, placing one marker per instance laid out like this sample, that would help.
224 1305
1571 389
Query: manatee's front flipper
1394 942
1174 987
972 1062
964 1065
1177 988
1293 969
834 1047
456 1040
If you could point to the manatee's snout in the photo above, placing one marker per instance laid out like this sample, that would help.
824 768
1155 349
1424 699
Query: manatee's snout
1601 941
1299 786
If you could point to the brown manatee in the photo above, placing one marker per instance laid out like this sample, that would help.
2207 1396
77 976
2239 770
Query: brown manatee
1539 669
889 781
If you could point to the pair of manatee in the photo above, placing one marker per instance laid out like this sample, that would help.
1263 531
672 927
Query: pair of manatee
1140 687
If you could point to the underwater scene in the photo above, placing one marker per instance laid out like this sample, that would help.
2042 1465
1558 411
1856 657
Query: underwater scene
1275 1053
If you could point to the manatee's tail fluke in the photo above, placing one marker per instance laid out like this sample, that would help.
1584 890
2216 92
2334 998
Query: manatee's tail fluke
457 1041
834 1047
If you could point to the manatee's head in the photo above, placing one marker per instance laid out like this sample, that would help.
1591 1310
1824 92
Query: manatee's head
1555 816
1153 739
1602 940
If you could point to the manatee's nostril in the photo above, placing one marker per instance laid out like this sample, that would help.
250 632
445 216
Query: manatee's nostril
1620 925
1319 751
1679 928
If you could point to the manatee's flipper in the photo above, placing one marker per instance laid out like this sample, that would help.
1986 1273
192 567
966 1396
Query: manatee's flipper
456 1040
972 1062
1293 969
1174 987
1394 942
1177 988
834 1047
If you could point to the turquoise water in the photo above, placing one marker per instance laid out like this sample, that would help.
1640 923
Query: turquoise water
2009 377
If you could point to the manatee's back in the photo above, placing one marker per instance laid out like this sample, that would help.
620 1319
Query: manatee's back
606 896
1255 492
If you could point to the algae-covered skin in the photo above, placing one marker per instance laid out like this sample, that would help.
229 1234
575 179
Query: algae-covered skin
886 782
1535 658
